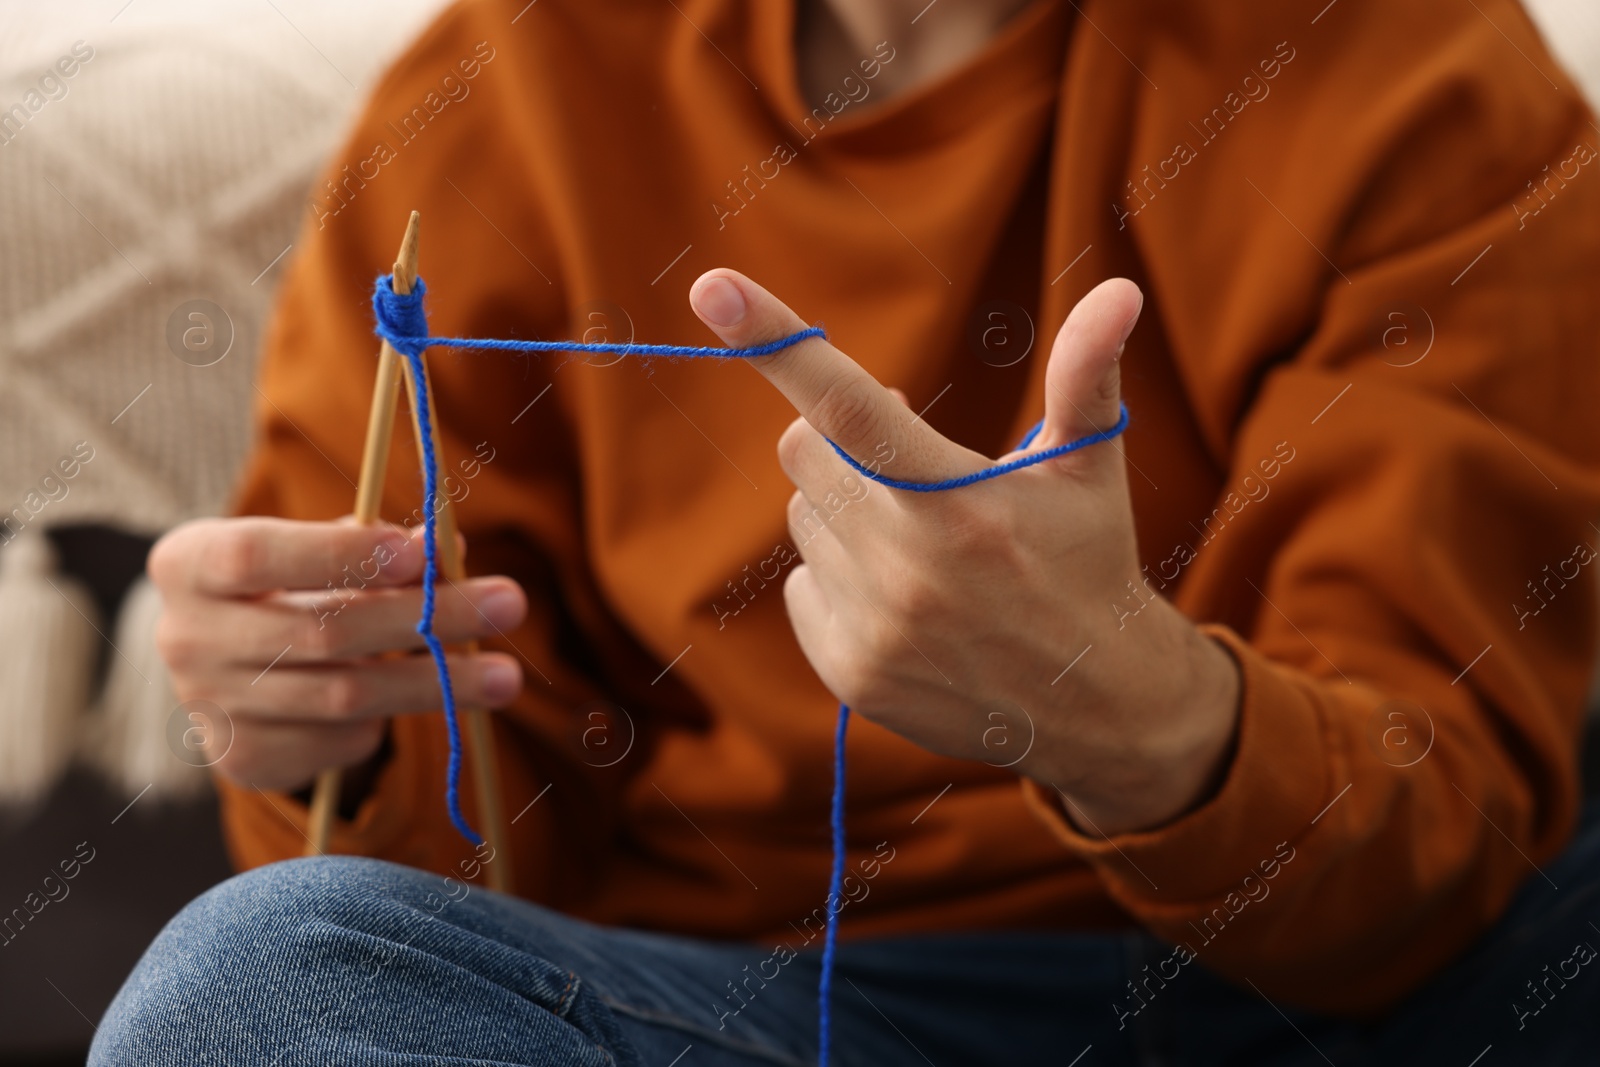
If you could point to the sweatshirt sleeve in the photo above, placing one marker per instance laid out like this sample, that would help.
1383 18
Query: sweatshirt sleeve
1380 284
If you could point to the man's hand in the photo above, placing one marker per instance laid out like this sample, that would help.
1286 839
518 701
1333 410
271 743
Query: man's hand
289 627
943 616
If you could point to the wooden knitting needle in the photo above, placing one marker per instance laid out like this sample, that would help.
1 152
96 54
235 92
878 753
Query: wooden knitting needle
480 731
369 496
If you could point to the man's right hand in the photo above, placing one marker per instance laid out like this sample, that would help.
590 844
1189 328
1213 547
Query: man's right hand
307 672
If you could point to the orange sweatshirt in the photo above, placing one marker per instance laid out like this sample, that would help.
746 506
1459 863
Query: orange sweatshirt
1363 453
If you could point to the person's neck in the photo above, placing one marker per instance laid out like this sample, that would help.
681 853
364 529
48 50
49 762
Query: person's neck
832 36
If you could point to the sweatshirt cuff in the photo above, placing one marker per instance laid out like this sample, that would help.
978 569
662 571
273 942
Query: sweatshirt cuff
1276 784
265 826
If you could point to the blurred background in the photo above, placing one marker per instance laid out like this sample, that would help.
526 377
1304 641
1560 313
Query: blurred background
156 157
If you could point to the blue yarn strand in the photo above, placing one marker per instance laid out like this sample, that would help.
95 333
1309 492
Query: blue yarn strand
430 576
998 469
830 937
401 320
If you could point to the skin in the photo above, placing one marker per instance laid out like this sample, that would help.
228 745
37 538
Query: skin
309 677
940 616
932 614
831 35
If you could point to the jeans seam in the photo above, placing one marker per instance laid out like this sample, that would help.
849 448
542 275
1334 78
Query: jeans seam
564 1003
568 995
716 1037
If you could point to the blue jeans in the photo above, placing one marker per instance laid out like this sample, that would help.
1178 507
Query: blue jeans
358 962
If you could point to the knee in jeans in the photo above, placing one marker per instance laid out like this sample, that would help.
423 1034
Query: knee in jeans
246 949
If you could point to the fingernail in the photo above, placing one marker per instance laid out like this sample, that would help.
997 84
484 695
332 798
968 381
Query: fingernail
1133 320
500 681
720 302
502 607
390 544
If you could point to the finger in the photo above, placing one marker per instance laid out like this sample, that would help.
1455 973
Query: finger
286 756
812 531
308 628
810 614
385 620
814 468
374 689
1083 393
416 533
250 556
828 388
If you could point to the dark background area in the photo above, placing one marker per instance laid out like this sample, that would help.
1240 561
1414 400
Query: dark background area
61 971
150 858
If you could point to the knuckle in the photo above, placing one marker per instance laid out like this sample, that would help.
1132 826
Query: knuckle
344 695
168 563
796 508
321 638
805 521
910 600
355 741
850 411
231 556
790 447
856 680
187 687
902 597
968 529
874 635
462 614
164 564
175 643
190 687
482 675
792 581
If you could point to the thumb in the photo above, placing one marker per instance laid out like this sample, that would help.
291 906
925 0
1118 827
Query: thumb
1083 381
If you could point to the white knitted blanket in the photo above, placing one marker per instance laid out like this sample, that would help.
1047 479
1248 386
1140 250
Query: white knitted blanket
155 159
153 155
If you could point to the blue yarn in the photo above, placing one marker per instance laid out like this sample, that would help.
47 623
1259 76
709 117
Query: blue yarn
402 322
999 468
830 937
430 575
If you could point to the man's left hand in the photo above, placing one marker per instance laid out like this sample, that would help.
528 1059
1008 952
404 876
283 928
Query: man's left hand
979 622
